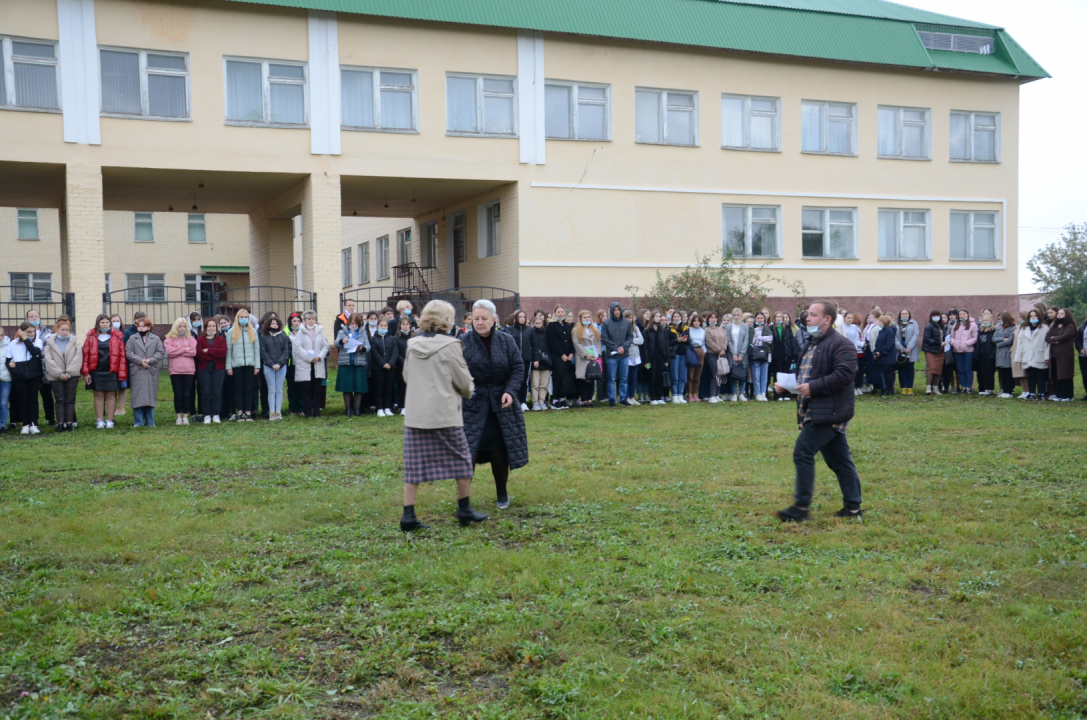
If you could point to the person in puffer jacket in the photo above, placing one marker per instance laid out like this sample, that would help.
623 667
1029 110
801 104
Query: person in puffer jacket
964 339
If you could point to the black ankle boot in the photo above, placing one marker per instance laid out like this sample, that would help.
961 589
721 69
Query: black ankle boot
466 514
409 522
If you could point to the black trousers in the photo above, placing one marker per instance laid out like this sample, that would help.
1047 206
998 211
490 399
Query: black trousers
985 368
311 394
835 449
64 391
585 389
889 371
194 402
210 383
228 406
244 382
24 397
862 371
182 385
560 373
294 399
383 388
1064 389
1037 379
264 412
1083 372
1007 382
46 392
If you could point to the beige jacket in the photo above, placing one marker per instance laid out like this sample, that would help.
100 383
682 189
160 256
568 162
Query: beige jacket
69 363
588 346
437 378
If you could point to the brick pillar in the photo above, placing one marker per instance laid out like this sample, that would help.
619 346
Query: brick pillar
83 252
271 250
321 228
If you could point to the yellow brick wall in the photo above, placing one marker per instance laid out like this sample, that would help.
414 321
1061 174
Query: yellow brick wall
35 256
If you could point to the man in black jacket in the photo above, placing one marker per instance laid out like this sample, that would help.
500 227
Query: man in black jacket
617 334
824 380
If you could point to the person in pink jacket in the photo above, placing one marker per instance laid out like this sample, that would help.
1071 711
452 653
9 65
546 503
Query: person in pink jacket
181 363
964 337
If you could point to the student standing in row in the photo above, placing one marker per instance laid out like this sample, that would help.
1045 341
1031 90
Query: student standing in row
116 323
518 328
885 355
1032 353
243 363
716 348
63 361
634 358
964 340
586 341
616 338
24 361
275 350
739 341
1061 339
405 328
680 340
144 353
657 350
384 352
561 345
762 343
1004 340
211 370
5 381
907 343
104 368
1081 350
985 354
310 350
294 400
351 365
228 408
541 364
932 343
180 364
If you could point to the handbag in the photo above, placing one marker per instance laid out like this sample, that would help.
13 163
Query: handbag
593 371
692 357
723 368
760 352
543 357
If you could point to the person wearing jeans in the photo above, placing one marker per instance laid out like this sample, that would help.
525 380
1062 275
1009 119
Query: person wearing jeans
210 370
679 338
275 350
964 339
739 340
617 335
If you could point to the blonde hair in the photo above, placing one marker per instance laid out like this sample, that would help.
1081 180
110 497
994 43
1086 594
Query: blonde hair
402 304
886 320
236 336
438 316
174 334
579 329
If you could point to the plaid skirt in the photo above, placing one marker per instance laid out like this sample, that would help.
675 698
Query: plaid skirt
439 454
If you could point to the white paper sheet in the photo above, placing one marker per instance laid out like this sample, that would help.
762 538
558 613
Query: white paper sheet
351 345
787 381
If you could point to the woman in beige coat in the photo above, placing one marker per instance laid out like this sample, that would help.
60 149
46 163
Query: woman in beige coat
309 348
435 446
587 349
63 362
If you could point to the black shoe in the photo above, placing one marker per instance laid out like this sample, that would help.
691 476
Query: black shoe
626 403
409 522
611 403
793 513
466 514
847 513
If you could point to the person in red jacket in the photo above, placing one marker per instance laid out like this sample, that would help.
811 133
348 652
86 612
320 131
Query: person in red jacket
104 368
210 371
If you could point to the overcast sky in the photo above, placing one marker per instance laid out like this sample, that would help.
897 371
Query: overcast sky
1052 146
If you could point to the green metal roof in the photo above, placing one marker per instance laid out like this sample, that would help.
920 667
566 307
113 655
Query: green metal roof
226 269
862 31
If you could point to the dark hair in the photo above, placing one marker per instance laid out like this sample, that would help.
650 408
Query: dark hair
99 319
388 310
1006 319
511 319
1067 320
357 319
266 324
25 325
137 315
194 314
372 314
829 307
938 314
399 330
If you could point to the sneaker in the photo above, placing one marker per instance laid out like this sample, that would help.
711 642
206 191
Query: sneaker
119 412
215 419
743 398
847 513
730 398
100 424
524 408
792 513
611 403
761 398
781 399
25 430
627 403
185 421
1024 396
1005 395
207 419
404 411
177 421
558 407
34 430
109 424
503 504
381 413
632 402
234 417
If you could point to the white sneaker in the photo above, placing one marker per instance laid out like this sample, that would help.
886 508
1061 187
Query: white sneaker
1005 395
109 424
404 411
177 421
215 419
25 430
380 413
100 424
761 398
743 398
524 408
207 419
184 421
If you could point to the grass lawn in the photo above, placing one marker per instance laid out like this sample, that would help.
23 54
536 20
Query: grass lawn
257 570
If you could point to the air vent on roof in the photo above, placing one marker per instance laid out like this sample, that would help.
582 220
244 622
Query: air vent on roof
957 43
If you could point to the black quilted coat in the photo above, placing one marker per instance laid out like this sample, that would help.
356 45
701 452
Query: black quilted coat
500 373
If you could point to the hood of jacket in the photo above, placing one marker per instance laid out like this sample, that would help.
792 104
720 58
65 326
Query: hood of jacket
426 345
611 311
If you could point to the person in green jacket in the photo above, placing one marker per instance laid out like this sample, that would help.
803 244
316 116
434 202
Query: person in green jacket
243 363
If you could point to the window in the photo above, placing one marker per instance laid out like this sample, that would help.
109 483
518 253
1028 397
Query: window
829 128
139 83
31 287
974 236
829 232
575 111
750 123
145 227
28 224
428 249
345 267
460 237
364 263
490 229
295 276
957 43
143 287
975 137
194 284
109 284
751 231
28 74
903 235
403 246
376 99
903 132
198 232
665 117
480 105
383 258
265 92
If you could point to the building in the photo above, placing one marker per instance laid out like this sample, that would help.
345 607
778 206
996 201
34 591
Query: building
552 150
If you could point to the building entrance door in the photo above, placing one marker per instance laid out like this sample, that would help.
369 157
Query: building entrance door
460 242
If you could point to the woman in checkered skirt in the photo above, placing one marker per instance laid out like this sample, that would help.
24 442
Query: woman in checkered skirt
435 446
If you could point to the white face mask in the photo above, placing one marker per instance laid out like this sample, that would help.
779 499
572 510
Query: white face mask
116 325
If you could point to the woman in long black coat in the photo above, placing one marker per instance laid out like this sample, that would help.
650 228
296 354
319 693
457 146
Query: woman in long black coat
657 354
562 355
493 421
784 352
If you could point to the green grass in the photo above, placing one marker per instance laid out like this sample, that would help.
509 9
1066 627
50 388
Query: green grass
257 570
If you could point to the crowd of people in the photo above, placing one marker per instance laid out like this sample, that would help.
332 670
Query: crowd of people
240 368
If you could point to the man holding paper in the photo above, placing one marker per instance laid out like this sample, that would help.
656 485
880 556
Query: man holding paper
825 402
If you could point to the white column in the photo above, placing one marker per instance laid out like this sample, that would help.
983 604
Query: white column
78 56
530 96
324 84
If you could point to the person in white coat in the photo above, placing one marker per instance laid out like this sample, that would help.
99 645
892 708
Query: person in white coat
309 348
1032 352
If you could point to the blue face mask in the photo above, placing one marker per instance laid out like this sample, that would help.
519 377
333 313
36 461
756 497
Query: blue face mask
372 323
243 321
407 311
382 331
585 323
197 323
35 323
759 323
814 330
1034 321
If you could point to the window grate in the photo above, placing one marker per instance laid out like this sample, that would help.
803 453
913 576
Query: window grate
956 43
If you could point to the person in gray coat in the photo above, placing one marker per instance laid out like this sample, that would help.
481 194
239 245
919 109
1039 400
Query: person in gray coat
617 335
908 345
739 342
145 353
1004 338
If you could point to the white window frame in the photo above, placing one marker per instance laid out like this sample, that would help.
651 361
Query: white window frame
900 122
19 220
428 244
145 100
971 125
827 223
662 116
383 266
747 113
364 263
31 278
824 131
575 102
345 267
480 94
747 229
193 281
488 229
109 284
899 225
377 88
266 93
145 284
405 241
202 221
7 68
136 221
971 226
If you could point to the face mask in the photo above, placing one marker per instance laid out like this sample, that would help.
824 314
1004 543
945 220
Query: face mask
35 323
1034 321
713 323
814 330
372 323
935 318
904 321
759 323
243 322
382 331
197 323
585 323
407 311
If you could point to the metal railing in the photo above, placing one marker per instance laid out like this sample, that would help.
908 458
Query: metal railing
411 278
163 304
461 298
382 296
258 300
17 301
